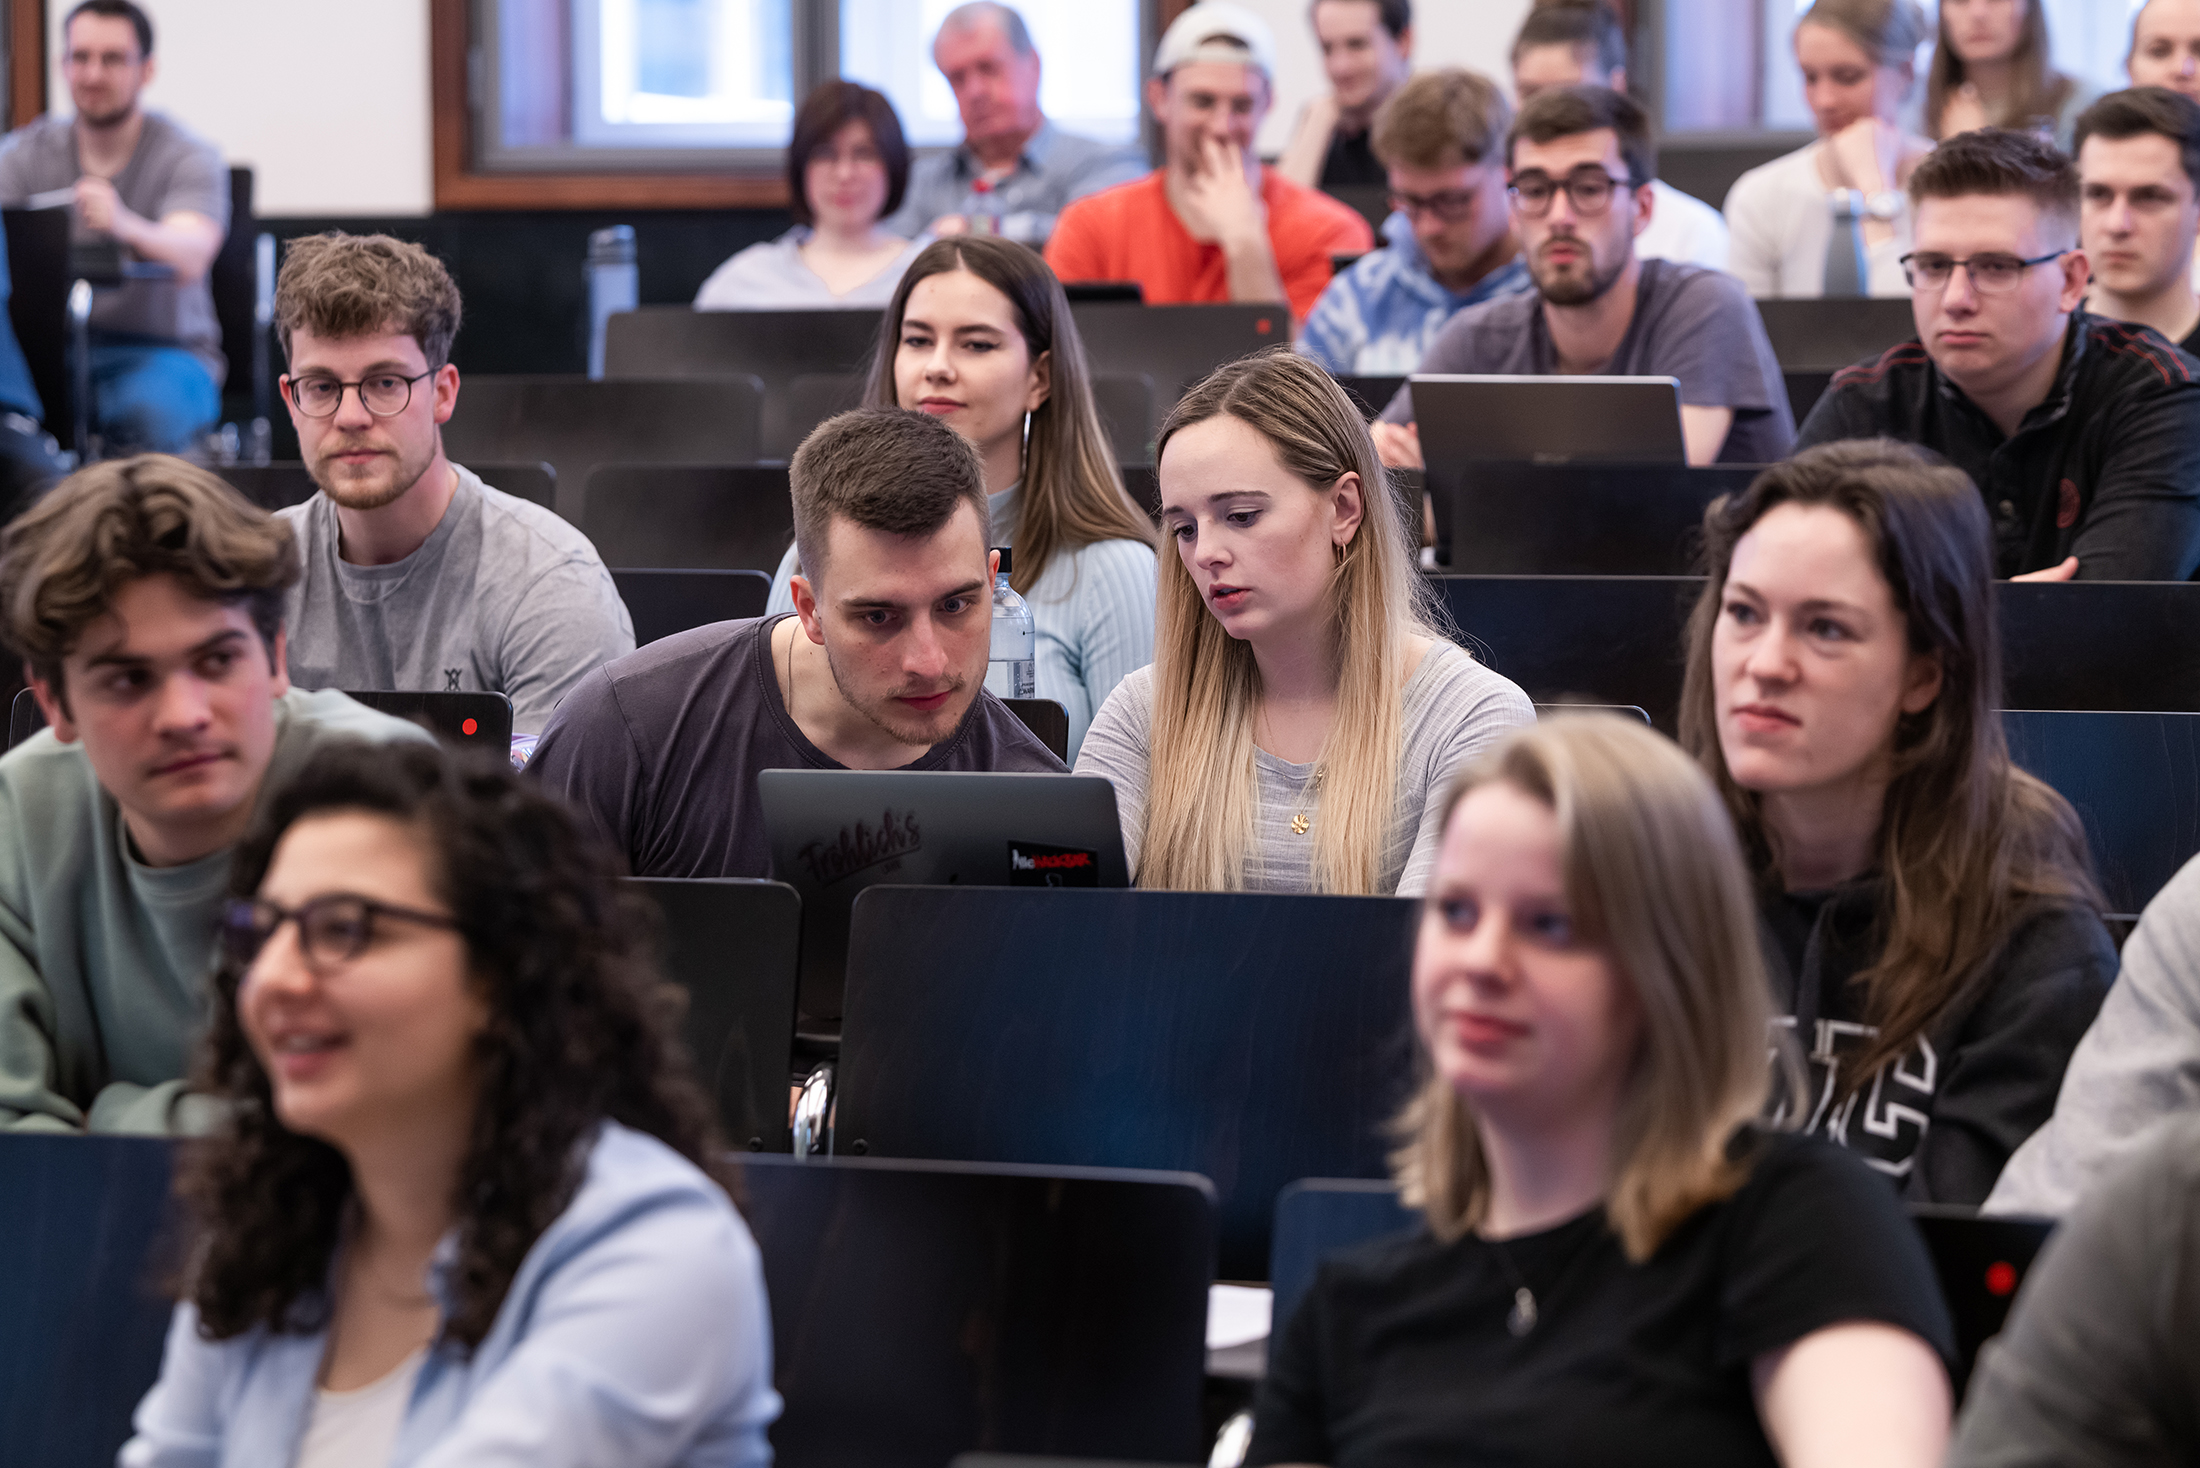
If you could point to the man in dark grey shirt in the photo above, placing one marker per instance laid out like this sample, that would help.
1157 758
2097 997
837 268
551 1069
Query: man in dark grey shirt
881 667
1582 162
163 195
416 574
2100 1362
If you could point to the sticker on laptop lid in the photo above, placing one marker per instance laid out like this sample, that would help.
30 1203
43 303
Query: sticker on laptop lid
1035 864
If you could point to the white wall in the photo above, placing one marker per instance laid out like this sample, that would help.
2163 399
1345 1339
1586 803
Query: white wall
326 99
1471 33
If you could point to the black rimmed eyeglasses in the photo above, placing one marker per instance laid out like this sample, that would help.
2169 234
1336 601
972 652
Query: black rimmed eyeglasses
1589 187
385 394
1992 274
332 929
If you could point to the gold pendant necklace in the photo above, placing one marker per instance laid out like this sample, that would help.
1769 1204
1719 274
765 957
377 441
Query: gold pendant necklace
1302 823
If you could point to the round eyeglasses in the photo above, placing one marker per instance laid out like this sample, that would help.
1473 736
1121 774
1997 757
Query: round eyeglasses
332 929
1991 274
1589 188
385 394
1449 207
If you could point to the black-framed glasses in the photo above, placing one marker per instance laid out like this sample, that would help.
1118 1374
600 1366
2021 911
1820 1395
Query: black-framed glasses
385 394
1589 187
1992 274
332 929
1450 206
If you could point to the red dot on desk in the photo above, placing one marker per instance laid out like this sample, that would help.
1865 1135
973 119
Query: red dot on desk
2001 1278
469 728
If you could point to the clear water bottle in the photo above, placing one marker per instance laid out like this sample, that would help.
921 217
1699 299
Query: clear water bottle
614 284
1014 670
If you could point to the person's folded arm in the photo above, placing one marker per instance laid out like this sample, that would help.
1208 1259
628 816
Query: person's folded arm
2144 521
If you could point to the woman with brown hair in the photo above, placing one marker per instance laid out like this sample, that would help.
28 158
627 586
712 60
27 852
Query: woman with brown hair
1994 67
1791 217
1931 921
1617 1263
847 168
467 1203
1302 716
980 336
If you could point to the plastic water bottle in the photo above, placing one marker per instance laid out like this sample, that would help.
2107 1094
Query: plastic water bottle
1014 671
614 284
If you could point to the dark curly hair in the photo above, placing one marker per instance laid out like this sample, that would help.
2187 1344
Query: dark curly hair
581 1029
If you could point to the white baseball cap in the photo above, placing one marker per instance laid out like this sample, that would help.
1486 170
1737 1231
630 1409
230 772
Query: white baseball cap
1206 33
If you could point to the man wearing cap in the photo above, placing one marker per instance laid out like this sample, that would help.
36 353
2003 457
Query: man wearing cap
1211 224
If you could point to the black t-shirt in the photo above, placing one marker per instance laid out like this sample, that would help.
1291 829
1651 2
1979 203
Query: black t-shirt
1400 1354
1351 162
660 750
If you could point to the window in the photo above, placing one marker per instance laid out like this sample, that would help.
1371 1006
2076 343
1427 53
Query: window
710 86
887 44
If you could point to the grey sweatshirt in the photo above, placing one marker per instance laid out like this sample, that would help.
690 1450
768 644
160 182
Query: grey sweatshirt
2138 1066
103 959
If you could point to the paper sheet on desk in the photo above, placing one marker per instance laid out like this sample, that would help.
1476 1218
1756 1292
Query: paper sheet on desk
1237 1314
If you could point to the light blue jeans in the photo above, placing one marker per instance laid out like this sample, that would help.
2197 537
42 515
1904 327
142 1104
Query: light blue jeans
150 396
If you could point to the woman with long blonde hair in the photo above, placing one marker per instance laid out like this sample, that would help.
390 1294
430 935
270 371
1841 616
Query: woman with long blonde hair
1617 1261
1302 715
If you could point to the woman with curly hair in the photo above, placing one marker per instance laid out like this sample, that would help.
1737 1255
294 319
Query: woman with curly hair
464 1207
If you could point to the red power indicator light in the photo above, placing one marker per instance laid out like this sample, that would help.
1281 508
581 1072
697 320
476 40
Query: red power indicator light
1263 326
470 728
2001 1278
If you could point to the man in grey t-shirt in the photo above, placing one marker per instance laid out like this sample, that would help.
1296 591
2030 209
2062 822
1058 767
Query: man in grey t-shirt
417 575
1582 162
1013 166
163 195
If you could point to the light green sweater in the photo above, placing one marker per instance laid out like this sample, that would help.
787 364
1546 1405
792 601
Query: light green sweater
104 960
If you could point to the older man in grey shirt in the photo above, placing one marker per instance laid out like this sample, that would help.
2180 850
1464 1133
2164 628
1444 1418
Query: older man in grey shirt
417 575
1013 171
160 193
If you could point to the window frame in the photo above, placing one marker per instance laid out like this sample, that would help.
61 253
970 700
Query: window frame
463 90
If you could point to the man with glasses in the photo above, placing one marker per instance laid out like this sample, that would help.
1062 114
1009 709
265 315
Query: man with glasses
1449 243
2082 433
417 575
1580 163
145 598
139 179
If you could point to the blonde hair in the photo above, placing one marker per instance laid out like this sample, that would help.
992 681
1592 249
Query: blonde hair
1655 879
1206 686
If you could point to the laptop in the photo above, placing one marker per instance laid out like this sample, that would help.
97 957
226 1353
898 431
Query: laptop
1467 419
835 832
1981 1262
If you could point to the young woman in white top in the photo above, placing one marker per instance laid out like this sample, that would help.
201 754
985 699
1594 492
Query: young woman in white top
467 1203
1858 64
1994 67
847 167
1302 716
980 336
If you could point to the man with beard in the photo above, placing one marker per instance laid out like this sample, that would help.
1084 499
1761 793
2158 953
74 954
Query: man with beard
881 667
1580 163
417 575
162 194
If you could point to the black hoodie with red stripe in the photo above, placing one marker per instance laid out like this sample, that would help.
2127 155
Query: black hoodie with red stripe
2107 468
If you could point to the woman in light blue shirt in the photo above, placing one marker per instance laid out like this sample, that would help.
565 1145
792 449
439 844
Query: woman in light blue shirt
463 1208
980 336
